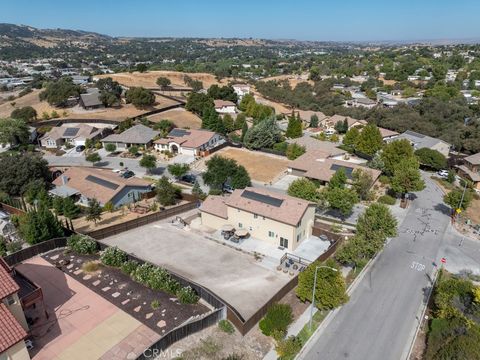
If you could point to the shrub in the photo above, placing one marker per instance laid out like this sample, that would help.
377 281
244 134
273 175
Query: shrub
113 256
14 246
287 348
384 179
278 318
90 266
155 278
129 267
82 244
186 295
226 326
155 304
387 200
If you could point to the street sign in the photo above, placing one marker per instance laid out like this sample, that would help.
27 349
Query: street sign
443 260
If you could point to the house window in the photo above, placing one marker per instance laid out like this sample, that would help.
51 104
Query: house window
240 225
250 228
298 237
283 242
299 223
255 216
271 234
10 300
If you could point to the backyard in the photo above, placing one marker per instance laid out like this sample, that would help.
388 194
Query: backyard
261 167
180 117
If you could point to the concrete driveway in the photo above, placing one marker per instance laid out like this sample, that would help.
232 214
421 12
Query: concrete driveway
232 275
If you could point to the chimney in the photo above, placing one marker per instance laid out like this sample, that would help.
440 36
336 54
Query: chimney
64 179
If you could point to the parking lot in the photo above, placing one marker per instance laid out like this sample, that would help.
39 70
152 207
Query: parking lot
233 275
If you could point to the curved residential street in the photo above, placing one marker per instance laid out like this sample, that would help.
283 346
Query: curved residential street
379 321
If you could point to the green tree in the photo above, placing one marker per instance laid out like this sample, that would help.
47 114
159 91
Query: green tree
228 123
163 82
110 91
198 103
58 205
314 121
377 218
178 170
212 121
240 179
263 135
93 158
94 211
362 182
393 153
220 170
277 319
164 126
109 207
141 67
26 113
110 147
406 177
330 290
167 193
19 170
351 137
133 150
342 126
454 197
244 131
149 162
370 140
39 225
70 209
341 199
431 158
222 92
13 131
338 180
294 151
294 127
304 188
140 97
240 121
56 93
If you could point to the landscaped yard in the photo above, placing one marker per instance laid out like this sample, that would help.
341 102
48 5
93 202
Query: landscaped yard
262 167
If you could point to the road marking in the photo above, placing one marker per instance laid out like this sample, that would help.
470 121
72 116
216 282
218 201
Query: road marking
417 266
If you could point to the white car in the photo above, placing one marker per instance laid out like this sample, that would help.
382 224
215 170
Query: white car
443 173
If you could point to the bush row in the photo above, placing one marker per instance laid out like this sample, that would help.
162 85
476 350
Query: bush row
82 244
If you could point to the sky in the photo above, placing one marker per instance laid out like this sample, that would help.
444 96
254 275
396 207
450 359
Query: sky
321 20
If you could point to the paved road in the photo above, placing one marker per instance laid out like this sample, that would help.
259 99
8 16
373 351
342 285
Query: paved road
379 321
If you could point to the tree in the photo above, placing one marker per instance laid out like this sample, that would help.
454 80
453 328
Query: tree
330 290
57 92
164 126
167 193
212 121
431 158
377 218
196 85
198 103
109 207
304 188
294 127
393 152
314 121
362 182
148 162
406 177
18 170
39 225
110 147
341 199
351 136
93 158
223 93
370 140
58 205
140 97
70 209
454 197
133 150
178 170
277 319
141 67
263 135
26 113
110 91
244 131
338 180
294 151
220 170
240 121
342 126
94 211
163 82
228 123
13 132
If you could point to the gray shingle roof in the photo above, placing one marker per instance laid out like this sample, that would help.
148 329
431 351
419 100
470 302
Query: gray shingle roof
138 134
420 140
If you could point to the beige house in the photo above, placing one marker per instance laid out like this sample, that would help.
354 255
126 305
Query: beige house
471 169
189 142
74 135
275 218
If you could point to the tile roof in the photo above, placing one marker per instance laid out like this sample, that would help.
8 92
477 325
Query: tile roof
387 133
84 132
190 138
222 103
473 159
138 134
7 285
11 332
351 121
215 205
77 178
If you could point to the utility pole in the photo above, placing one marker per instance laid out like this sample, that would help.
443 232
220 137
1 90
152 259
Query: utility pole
313 292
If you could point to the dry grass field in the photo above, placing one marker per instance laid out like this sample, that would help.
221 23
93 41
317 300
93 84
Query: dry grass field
293 80
30 99
148 79
261 166
180 117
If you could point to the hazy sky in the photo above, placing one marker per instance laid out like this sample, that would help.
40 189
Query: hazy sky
274 19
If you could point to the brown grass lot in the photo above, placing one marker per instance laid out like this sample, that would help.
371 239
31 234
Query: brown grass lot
293 80
261 166
148 79
180 117
115 113
473 212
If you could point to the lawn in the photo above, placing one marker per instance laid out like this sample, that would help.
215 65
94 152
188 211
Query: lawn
261 166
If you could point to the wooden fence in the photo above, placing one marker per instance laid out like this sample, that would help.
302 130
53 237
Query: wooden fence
35 250
141 221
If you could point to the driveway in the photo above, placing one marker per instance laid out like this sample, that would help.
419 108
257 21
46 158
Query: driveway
379 321
232 275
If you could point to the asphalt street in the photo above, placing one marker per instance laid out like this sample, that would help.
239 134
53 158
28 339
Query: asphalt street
379 321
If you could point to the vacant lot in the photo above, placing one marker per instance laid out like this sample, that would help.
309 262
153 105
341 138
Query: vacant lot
30 99
234 276
148 79
261 166
180 117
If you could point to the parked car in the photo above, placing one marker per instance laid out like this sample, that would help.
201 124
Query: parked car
80 148
128 174
443 173
189 178
228 188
